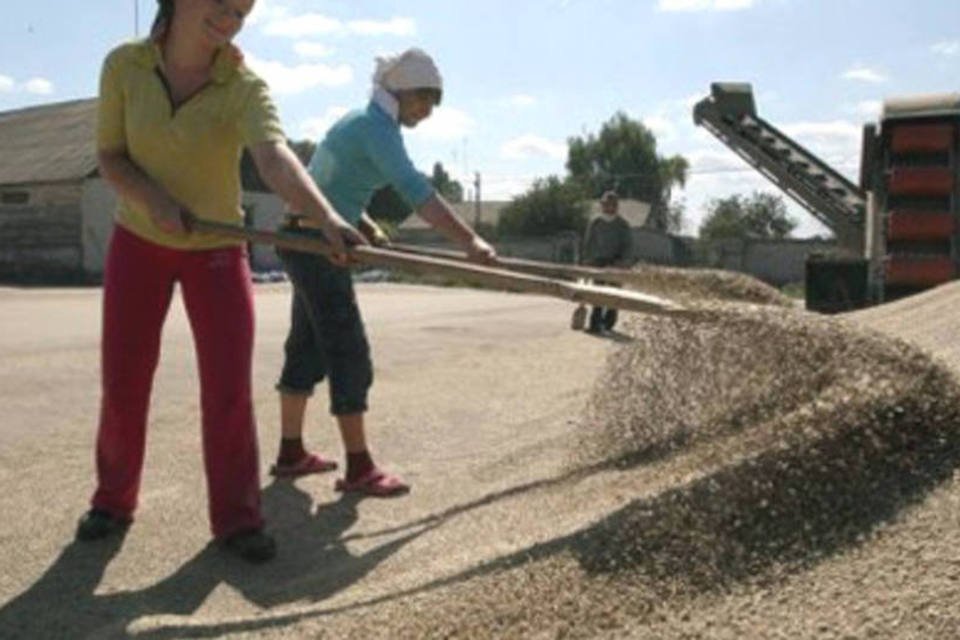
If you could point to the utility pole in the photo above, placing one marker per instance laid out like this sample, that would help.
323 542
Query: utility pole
136 18
476 200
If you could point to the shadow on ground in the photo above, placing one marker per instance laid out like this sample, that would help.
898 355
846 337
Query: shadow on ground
816 438
313 565
774 510
768 514
63 602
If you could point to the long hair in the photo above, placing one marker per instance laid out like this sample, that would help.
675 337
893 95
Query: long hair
164 17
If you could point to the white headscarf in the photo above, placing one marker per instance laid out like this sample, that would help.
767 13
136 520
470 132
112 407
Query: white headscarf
412 69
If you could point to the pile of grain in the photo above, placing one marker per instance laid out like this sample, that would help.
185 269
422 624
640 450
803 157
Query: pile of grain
784 438
705 284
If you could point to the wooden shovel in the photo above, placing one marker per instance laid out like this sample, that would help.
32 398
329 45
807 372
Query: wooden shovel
582 275
534 267
483 276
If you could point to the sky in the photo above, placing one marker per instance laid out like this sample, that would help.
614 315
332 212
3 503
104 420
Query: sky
522 76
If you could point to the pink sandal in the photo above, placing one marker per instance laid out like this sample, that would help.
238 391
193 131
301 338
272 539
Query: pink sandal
306 465
374 483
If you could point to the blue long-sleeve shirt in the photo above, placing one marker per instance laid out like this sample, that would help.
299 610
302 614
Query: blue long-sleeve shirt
360 154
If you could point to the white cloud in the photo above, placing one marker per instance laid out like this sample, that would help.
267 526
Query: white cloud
946 48
38 86
520 100
307 49
837 142
286 79
532 146
705 5
315 128
707 160
864 74
316 24
446 123
503 186
308 24
688 103
266 11
661 126
391 27
866 109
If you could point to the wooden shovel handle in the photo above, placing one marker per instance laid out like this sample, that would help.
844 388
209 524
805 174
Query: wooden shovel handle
479 275
534 267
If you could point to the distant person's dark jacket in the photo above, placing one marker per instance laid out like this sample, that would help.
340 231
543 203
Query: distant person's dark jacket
608 242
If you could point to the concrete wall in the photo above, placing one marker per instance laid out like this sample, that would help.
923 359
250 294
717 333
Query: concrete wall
98 203
777 262
66 228
653 247
40 243
47 194
781 262
265 211
559 248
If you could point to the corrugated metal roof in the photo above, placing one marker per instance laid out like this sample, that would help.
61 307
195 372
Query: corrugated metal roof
941 104
49 143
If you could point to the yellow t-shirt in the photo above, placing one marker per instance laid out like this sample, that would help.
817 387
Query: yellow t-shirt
193 151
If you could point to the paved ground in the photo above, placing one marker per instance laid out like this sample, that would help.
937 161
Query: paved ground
478 402
476 395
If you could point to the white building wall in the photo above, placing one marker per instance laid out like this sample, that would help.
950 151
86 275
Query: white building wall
47 194
267 212
98 203
652 246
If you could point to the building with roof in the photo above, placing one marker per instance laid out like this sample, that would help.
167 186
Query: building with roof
485 216
49 191
56 212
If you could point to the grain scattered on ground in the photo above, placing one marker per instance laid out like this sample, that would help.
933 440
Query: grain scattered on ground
786 440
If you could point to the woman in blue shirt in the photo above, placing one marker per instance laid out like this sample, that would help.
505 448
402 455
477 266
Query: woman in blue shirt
360 154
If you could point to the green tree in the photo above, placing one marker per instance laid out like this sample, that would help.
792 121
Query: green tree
550 206
665 214
760 216
623 157
449 188
676 217
250 177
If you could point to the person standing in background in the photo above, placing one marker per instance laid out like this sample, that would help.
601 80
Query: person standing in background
607 242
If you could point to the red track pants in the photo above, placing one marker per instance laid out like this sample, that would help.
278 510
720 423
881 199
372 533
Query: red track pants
139 278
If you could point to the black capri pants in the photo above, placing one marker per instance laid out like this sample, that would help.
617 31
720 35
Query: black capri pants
326 338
